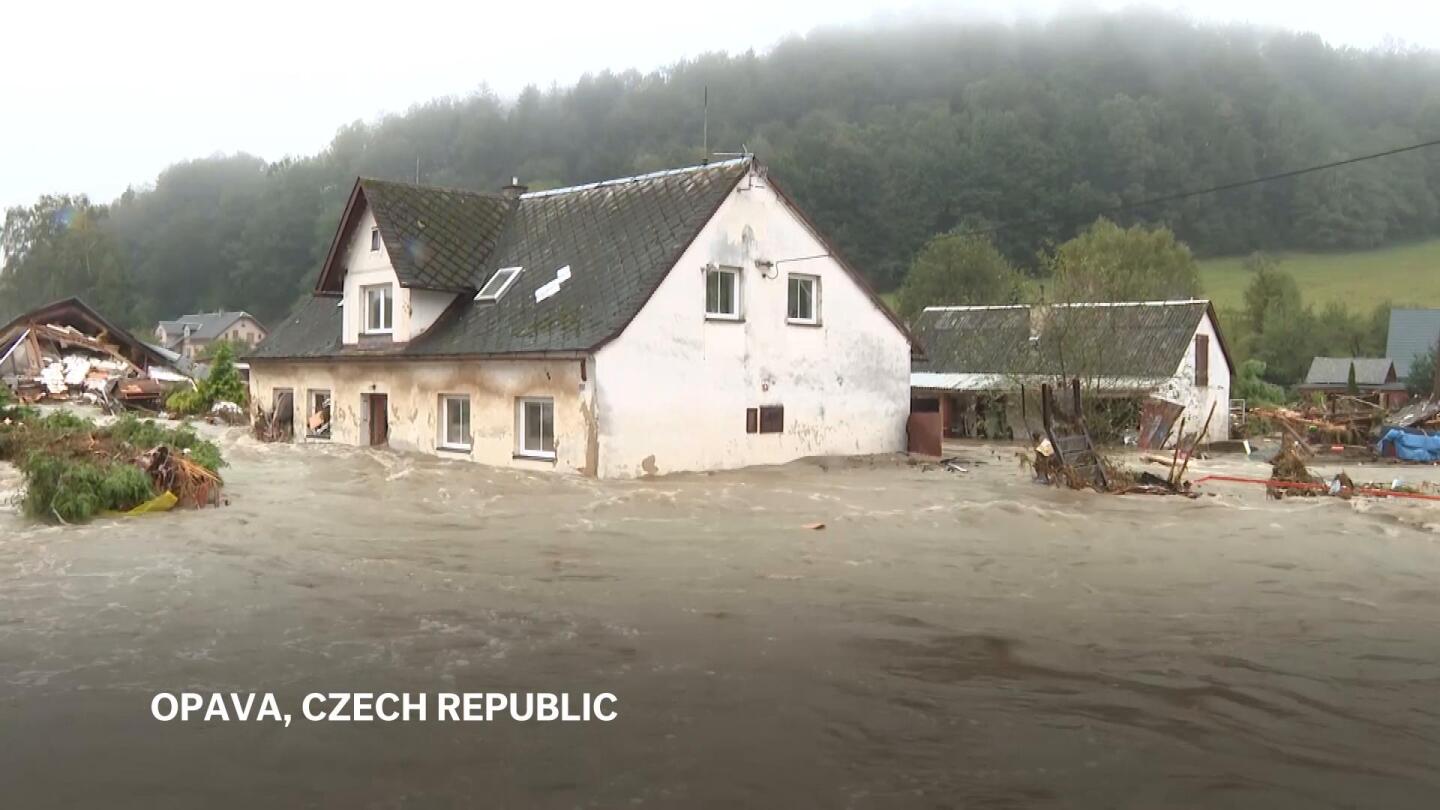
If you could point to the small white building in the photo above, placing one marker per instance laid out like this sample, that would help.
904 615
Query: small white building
983 365
692 319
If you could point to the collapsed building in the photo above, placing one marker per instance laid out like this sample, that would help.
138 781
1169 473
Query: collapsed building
67 351
1151 361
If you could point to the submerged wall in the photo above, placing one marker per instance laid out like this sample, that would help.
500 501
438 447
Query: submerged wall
413 389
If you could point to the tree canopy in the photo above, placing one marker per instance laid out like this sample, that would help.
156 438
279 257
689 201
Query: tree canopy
958 269
887 136
1111 263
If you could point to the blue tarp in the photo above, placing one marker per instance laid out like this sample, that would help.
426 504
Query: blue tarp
1416 446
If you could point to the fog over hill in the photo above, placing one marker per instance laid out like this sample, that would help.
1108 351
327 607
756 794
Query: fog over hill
887 135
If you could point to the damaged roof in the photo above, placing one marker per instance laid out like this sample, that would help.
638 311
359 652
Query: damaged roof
1132 340
74 312
1335 371
618 237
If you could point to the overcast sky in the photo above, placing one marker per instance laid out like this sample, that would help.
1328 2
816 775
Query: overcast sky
98 95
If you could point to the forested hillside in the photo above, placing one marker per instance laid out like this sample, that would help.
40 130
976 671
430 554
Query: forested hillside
887 136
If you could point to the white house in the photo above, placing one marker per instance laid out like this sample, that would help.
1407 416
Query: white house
691 319
983 364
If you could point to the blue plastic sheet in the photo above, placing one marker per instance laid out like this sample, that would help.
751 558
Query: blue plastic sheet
1411 445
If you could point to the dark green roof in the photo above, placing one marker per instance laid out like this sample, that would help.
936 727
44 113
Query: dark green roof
1141 340
619 238
436 237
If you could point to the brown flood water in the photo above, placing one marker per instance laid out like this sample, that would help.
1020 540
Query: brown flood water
949 640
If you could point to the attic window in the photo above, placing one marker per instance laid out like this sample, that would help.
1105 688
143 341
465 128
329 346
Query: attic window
498 284
374 238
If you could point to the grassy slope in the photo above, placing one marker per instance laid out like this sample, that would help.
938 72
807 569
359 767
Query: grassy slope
1405 275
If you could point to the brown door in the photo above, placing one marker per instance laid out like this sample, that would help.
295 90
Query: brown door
379 419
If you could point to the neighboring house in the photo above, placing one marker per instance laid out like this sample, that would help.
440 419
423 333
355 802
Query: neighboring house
1413 332
188 335
691 319
1375 377
983 365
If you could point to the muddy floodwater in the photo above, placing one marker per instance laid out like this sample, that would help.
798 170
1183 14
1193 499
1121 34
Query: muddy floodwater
947 640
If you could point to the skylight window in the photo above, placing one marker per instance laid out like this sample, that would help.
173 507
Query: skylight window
498 284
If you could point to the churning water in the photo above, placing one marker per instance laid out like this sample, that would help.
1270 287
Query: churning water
948 640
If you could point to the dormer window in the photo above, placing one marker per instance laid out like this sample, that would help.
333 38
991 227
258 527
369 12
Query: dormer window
379 308
374 238
498 284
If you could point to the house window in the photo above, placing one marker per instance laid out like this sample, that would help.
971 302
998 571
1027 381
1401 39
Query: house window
722 292
317 414
803 306
454 422
1202 360
536 428
374 238
498 284
379 307
772 418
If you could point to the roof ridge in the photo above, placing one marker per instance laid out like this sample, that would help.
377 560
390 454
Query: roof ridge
637 177
494 195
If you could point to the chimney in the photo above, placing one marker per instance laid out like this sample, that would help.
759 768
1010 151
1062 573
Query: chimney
514 190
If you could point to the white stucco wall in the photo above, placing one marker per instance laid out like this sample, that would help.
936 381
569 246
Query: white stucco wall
673 388
414 388
1197 400
414 310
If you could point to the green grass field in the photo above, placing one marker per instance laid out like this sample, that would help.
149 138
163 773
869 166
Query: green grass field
1405 275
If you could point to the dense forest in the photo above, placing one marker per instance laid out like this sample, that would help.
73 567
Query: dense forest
888 136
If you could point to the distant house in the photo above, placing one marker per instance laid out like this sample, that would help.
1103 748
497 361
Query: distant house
188 335
1413 332
691 319
983 365
1375 378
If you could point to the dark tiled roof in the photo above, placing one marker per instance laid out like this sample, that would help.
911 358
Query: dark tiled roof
1413 332
203 325
312 330
619 239
1143 340
436 237
1369 371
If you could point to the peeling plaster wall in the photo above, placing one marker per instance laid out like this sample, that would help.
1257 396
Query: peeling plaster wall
673 387
1197 400
414 389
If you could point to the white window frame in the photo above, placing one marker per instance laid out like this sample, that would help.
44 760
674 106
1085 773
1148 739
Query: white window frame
521 451
369 328
814 319
494 295
444 441
310 410
375 240
735 290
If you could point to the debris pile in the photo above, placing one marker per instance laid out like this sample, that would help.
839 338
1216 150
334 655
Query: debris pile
66 352
75 471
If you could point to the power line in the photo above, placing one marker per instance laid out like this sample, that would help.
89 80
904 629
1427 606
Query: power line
1198 192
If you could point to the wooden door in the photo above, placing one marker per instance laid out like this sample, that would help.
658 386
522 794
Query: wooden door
379 419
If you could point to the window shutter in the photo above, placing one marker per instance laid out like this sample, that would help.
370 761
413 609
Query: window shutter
772 419
1202 360
752 420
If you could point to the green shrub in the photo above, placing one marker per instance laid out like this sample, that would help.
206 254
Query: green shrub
186 402
75 491
143 434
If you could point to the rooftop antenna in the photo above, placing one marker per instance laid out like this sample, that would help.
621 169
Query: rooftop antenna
705 156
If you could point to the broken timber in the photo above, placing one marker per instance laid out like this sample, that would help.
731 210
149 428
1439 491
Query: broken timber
1070 439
